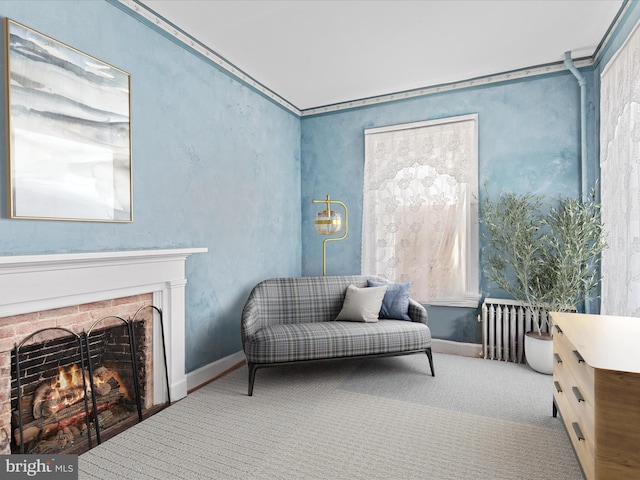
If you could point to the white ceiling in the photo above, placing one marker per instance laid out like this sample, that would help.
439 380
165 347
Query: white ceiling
321 52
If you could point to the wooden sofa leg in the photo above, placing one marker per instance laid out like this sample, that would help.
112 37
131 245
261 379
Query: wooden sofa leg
252 376
429 354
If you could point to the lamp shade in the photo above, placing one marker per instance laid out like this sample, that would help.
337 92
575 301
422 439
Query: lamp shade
328 222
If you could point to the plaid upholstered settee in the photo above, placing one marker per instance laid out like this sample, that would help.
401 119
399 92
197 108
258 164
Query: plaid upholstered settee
290 320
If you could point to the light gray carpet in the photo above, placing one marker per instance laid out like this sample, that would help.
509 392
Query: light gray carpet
352 419
490 388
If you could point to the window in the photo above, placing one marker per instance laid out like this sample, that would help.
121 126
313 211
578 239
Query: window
420 211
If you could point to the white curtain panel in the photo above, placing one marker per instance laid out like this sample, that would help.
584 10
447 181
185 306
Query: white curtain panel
420 182
620 184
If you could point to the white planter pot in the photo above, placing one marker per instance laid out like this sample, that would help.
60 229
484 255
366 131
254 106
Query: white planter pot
538 351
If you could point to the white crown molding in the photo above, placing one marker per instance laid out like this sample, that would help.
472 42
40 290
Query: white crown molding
191 43
209 54
476 82
596 57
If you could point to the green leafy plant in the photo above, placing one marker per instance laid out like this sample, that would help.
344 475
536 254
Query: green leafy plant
575 240
545 255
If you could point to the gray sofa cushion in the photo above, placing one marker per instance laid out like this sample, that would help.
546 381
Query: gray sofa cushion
319 340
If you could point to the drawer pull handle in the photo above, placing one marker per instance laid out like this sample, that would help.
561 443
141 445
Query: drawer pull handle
557 357
558 387
578 356
576 392
576 428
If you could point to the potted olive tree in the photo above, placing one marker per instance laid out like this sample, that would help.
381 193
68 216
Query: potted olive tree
545 255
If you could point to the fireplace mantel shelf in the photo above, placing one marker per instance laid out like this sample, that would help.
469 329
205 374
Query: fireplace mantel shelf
80 258
30 283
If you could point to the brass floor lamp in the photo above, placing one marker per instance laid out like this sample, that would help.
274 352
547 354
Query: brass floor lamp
329 222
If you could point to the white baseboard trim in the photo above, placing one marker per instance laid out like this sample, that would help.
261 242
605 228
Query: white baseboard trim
205 374
456 348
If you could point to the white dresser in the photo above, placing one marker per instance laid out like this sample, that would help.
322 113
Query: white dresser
596 376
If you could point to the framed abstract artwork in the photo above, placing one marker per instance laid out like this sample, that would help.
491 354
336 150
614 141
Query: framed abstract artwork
69 132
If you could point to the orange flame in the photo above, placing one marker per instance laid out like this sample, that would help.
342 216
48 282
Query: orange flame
67 388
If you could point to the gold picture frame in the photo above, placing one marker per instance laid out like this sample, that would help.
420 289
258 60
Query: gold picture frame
68 132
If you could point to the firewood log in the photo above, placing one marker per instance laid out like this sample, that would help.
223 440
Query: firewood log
102 389
48 395
29 434
72 415
47 446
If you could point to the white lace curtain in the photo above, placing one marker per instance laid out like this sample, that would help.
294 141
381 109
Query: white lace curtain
420 208
620 179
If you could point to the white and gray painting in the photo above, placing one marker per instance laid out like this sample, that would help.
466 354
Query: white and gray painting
70 132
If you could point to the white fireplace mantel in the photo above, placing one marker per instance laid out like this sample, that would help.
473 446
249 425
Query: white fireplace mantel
32 283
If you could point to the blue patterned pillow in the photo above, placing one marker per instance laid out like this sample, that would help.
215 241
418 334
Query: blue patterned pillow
395 304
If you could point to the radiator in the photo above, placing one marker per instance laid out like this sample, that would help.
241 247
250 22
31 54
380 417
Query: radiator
504 323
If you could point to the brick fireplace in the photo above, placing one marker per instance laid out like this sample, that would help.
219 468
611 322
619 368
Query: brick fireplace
53 356
73 290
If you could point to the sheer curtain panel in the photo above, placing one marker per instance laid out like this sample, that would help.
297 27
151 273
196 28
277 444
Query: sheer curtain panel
420 212
620 179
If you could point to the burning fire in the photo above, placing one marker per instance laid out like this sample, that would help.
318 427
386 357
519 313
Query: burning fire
69 377
61 392
67 389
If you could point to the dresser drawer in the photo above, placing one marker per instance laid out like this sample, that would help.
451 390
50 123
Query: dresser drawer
582 410
583 445
581 436
570 359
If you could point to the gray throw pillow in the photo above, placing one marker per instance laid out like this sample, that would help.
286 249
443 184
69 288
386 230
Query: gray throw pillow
362 304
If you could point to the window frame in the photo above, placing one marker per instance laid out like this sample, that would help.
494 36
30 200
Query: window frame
471 296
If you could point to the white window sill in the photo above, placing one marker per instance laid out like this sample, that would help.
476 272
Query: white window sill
468 301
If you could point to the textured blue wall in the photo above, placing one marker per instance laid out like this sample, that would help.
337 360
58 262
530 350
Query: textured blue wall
213 161
529 140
